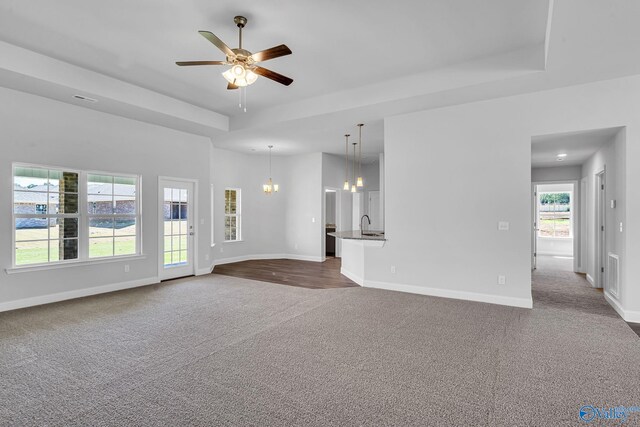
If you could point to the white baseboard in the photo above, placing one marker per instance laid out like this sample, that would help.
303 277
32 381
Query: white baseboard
267 256
632 316
353 277
206 270
590 280
449 293
305 257
79 293
627 315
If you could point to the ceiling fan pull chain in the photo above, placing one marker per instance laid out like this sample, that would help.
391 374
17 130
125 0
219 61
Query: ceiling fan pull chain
244 91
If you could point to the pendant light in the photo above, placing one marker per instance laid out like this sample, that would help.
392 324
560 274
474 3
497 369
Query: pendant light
353 186
360 181
346 163
270 187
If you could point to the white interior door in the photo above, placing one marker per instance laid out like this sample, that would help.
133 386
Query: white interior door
374 210
176 228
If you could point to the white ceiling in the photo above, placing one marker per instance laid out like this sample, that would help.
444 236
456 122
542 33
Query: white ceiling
336 44
355 61
578 146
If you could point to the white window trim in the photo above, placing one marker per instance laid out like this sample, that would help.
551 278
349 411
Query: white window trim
83 222
138 215
213 228
238 215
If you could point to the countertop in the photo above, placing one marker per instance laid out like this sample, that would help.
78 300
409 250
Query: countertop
357 235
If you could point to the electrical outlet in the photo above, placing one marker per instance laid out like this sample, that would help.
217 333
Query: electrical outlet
503 226
313 220
295 246
393 269
126 268
502 280
202 221
221 249
206 257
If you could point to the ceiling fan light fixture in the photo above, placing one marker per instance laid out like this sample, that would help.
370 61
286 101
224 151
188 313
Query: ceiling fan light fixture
251 77
239 76
238 71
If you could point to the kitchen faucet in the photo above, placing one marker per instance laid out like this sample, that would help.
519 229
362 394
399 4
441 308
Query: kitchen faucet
363 217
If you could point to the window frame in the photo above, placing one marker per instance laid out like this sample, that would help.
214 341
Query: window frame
137 216
237 215
48 216
571 215
82 216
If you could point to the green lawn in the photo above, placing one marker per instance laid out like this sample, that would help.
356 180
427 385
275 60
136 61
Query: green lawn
32 243
101 244
558 227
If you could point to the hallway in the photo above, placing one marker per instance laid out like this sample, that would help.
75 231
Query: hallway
568 291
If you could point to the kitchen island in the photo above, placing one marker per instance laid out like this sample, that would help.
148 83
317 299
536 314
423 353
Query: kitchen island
354 243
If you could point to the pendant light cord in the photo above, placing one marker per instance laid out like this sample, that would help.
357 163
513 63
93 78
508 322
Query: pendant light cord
360 150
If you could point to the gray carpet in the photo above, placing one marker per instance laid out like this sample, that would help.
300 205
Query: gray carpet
219 350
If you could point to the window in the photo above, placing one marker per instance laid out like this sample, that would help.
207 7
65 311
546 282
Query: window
112 213
232 230
556 216
45 215
51 224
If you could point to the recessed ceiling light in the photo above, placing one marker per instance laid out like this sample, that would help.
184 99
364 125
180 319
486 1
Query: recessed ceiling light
560 159
562 155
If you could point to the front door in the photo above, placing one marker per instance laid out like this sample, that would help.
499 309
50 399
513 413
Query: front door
176 228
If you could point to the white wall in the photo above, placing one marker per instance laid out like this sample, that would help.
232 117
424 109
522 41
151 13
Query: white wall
262 216
482 152
42 131
304 227
559 173
371 176
611 159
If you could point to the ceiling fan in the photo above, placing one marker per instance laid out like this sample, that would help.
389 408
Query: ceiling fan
244 70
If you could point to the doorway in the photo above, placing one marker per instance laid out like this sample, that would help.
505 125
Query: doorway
335 205
554 226
331 219
176 228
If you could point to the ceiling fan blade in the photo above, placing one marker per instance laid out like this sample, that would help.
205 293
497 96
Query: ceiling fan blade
185 63
216 41
274 52
273 76
231 86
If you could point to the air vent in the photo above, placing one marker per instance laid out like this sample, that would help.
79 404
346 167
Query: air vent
85 98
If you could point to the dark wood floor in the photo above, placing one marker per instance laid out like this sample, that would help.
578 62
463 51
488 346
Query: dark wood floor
305 274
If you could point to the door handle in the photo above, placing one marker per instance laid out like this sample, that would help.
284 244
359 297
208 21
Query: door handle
191 233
